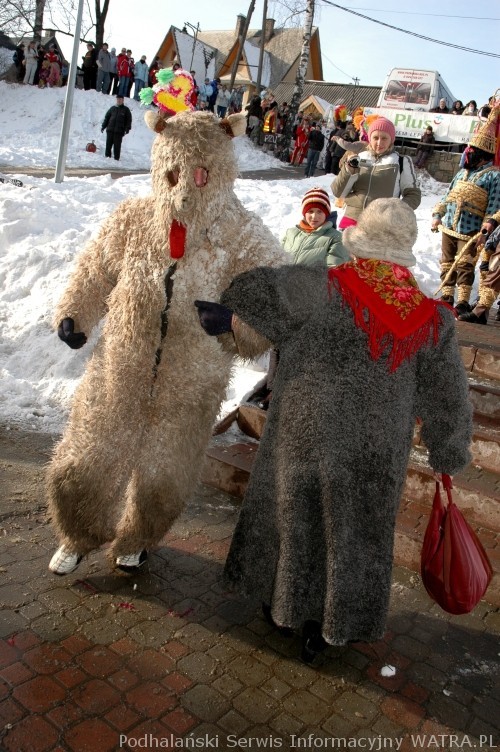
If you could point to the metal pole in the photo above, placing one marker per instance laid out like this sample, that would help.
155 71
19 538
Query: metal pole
68 102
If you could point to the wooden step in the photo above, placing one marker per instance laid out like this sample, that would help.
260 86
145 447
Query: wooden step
485 445
480 350
485 398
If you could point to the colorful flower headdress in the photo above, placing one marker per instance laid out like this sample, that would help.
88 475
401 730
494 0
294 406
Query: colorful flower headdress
172 93
362 122
340 113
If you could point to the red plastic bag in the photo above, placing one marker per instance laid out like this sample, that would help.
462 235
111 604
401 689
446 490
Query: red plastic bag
454 566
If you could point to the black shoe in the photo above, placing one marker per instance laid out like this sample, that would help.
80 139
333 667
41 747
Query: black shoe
260 395
312 641
448 299
284 631
471 318
462 308
497 315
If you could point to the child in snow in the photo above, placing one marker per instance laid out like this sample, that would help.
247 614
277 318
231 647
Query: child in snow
313 242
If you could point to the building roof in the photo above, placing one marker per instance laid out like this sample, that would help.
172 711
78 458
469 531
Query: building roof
282 50
194 54
349 94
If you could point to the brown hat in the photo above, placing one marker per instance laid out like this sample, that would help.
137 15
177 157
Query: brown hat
485 138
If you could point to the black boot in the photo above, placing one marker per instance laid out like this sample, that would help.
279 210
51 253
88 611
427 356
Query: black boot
462 308
471 318
497 314
448 299
284 631
312 641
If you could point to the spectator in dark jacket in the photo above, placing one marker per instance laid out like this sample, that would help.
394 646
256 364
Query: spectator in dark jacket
316 143
40 51
19 61
425 147
215 90
117 122
442 107
458 107
89 68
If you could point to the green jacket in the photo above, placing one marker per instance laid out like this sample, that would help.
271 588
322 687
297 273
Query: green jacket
323 246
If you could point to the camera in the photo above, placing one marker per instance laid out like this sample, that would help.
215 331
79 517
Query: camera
356 162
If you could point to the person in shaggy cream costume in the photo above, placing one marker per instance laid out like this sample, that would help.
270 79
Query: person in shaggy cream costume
143 413
363 354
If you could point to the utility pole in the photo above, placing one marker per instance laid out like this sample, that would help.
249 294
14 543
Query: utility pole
285 138
242 42
68 102
262 45
356 82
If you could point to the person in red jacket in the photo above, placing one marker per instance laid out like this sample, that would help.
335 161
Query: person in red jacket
123 72
301 143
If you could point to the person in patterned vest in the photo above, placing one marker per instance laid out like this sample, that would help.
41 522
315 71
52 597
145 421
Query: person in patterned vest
467 213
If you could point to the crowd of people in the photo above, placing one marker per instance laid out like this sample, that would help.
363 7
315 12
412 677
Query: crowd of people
38 66
458 108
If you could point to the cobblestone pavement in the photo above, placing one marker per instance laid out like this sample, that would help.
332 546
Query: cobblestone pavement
95 661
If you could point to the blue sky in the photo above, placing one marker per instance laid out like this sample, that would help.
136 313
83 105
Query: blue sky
351 46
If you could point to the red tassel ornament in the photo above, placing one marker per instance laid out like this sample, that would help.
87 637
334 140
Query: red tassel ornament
177 239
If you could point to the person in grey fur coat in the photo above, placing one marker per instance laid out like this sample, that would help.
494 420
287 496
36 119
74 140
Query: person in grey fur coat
314 540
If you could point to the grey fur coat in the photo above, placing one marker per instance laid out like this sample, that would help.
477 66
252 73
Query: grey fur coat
316 530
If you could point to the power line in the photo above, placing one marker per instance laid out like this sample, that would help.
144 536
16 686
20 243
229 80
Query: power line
337 67
412 33
437 15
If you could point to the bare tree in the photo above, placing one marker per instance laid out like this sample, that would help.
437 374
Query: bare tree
62 14
30 18
285 139
22 18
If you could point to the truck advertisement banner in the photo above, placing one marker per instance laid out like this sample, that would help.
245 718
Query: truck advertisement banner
456 129
411 86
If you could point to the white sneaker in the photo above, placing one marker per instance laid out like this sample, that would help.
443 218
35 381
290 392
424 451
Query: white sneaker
131 562
63 562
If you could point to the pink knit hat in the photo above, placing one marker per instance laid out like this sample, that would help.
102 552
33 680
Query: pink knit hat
382 124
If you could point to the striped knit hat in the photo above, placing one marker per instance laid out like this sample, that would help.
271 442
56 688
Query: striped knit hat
316 198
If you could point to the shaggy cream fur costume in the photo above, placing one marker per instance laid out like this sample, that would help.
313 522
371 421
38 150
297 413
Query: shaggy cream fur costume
143 413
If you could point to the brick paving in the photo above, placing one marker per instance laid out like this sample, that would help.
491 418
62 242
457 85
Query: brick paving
98 661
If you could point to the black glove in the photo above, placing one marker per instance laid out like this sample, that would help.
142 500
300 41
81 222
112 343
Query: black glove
102 130
484 266
214 318
66 332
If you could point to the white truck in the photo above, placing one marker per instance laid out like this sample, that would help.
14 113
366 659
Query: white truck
412 89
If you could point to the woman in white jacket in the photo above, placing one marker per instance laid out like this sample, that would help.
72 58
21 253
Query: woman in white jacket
31 60
376 172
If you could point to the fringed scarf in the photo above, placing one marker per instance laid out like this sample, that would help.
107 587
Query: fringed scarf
388 305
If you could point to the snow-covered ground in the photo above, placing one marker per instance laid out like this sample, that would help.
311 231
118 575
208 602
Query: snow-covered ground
44 225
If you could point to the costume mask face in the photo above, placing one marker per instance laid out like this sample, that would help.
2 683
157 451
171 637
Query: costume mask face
472 158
